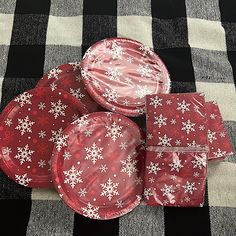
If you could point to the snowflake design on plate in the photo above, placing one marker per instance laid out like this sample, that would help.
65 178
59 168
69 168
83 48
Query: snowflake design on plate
142 91
183 106
23 179
57 109
146 50
109 189
156 101
53 86
91 211
113 73
76 93
123 146
85 73
61 142
24 125
8 122
176 164
42 134
144 71
111 95
41 163
199 162
93 153
193 144
219 153
23 99
75 65
54 73
119 204
81 122
114 131
55 135
72 176
164 141
153 168
160 120
82 192
167 190
24 154
116 51
211 136
148 192
103 168
188 126
41 106
189 187
66 155
129 166
6 151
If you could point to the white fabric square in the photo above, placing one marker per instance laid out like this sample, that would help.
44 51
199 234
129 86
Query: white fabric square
6 23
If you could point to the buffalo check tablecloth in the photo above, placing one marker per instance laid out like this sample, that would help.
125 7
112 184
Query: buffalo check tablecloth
197 41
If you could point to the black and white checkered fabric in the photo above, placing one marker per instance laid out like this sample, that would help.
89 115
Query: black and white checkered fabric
197 41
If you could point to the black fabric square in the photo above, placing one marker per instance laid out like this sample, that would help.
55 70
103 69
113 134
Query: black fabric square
168 9
25 61
227 10
178 62
101 7
183 87
33 7
29 29
232 60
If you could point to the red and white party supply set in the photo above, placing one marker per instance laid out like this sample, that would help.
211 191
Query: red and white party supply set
60 134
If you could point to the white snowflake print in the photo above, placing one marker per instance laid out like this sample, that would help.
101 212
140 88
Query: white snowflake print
201 127
142 91
196 108
144 71
199 162
116 51
176 164
168 102
211 136
173 121
173 177
187 199
160 120
6 151
153 168
183 106
57 109
126 102
193 144
111 95
196 174
114 131
156 101
130 59
123 146
66 155
42 134
23 99
138 180
61 142
24 125
189 187
82 192
213 116
167 190
76 93
78 78
53 86
82 122
75 65
119 204
188 126
149 136
93 153
222 134
177 142
219 153
148 192
151 180
41 106
109 189
88 133
8 122
91 211
129 166
103 168
23 179
85 73
164 141
24 154
146 50
41 163
141 110
55 135
128 80
72 176
113 73
75 117
54 73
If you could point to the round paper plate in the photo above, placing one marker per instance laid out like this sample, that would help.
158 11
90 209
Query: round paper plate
99 173
68 78
118 73
30 125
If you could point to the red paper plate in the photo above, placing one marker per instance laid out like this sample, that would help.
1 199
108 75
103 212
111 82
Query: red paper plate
30 125
68 78
99 173
118 73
